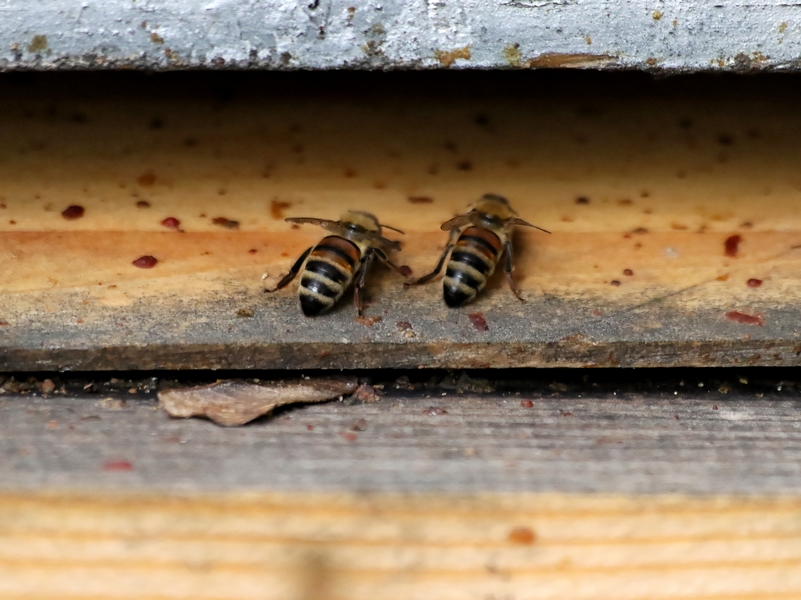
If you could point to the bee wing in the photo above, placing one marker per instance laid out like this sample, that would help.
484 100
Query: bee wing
521 222
458 221
332 226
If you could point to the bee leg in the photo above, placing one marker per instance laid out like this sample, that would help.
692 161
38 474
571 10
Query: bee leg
293 272
426 278
508 268
361 276
384 259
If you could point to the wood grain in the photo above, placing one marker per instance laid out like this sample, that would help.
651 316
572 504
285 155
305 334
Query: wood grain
649 183
547 492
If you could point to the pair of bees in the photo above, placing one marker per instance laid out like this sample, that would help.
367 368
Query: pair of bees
477 241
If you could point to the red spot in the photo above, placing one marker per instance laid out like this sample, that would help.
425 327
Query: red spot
739 317
146 179
478 321
435 411
277 208
566 413
615 283
753 283
732 245
582 200
143 204
420 199
526 404
3 323
227 223
118 465
405 270
171 223
714 407
403 325
349 173
12 222
676 417
349 436
628 272
523 536
310 427
145 262
252 251
72 212
597 313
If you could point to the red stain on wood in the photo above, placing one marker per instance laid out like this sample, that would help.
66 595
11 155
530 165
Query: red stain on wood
72 212
118 465
740 317
732 245
277 208
145 262
522 536
171 223
753 283
478 321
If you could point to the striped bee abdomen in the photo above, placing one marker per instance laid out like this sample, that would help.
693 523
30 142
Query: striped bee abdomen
472 261
328 273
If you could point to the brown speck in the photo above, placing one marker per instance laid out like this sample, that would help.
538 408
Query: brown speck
12 222
146 179
420 199
435 411
724 277
117 465
582 200
2 205
48 387
143 204
679 226
145 262
640 230
52 424
782 27
156 38
432 169
739 317
309 427
72 212
625 201
171 223
349 173
714 407
628 272
656 15
526 404
252 251
405 270
615 283
403 326
3 323
190 142
478 321
348 436
732 245
366 393
38 44
448 58
566 413
522 536
724 139
227 223
359 425
746 225
753 283
682 174
368 321
277 208
464 165
244 313
676 417
379 185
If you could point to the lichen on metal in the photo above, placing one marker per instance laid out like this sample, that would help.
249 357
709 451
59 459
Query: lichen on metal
667 35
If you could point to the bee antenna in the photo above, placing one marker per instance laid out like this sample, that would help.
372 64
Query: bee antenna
383 226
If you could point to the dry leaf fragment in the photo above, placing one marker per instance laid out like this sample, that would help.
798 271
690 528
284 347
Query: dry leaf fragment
235 402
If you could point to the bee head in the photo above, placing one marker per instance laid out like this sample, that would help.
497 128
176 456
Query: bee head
360 222
496 206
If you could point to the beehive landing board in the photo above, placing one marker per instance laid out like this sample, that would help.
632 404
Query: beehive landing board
640 182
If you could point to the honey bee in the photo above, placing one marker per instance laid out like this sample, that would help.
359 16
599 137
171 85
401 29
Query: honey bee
333 264
476 243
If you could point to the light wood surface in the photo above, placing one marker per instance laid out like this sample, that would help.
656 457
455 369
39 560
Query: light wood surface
354 546
669 173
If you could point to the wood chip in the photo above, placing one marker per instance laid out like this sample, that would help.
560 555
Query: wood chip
232 403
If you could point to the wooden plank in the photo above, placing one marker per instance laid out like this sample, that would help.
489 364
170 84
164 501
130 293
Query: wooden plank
669 173
586 493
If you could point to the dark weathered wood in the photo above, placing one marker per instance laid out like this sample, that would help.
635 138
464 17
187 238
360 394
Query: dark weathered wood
709 444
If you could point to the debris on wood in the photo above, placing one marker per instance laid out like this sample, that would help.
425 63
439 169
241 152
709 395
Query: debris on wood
234 402
367 394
